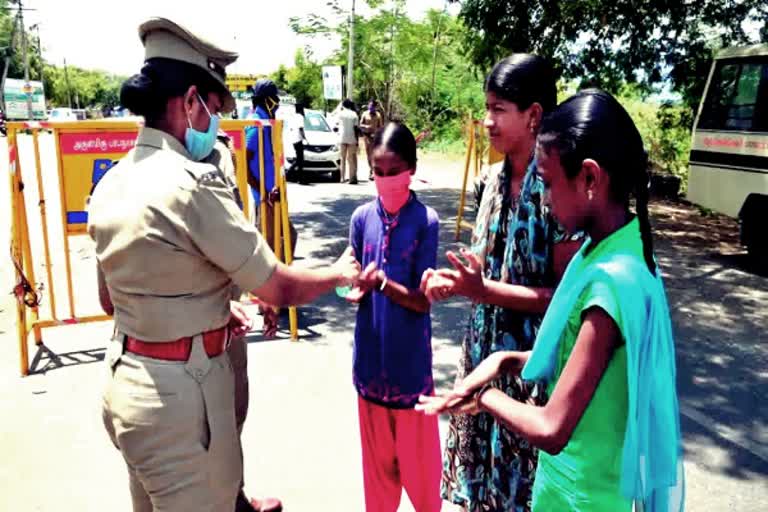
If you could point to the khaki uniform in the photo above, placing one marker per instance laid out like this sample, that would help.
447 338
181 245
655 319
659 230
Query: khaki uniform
172 243
369 125
221 157
348 124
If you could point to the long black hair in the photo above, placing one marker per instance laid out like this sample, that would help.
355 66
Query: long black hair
524 79
593 124
397 138
160 79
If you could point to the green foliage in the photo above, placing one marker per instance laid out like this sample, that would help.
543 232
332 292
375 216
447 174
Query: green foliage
663 127
608 43
416 70
10 46
91 89
304 81
88 88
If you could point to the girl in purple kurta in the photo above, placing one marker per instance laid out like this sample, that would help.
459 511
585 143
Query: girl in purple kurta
395 239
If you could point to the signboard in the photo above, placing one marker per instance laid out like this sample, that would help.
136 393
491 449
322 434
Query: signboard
332 82
16 92
241 83
86 156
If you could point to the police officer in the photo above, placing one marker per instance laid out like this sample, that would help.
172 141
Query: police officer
370 122
170 244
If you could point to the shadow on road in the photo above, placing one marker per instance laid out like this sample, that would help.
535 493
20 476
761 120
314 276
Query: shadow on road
720 315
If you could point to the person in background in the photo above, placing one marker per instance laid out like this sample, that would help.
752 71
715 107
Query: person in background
348 127
370 123
395 238
265 102
296 126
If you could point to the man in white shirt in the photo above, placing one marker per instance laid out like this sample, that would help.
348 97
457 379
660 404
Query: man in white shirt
296 126
348 127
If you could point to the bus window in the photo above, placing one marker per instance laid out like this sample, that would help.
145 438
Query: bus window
733 100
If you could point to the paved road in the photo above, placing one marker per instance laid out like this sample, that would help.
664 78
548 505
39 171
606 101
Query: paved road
301 439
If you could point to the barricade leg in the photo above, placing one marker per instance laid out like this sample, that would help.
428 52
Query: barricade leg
463 195
44 223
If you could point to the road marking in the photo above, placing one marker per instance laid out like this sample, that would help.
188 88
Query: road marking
724 432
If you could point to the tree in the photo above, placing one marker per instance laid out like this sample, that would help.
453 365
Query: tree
304 81
415 69
608 43
10 48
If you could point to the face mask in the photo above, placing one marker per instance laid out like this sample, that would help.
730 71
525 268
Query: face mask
200 144
394 191
272 106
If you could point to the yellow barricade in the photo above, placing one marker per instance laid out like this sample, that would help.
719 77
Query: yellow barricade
85 151
479 153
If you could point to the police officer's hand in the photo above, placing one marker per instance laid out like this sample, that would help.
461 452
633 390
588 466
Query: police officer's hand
369 279
240 322
347 268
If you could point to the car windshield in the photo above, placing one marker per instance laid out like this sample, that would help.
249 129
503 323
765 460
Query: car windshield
315 122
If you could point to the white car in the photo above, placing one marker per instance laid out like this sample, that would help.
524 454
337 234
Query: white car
321 150
62 114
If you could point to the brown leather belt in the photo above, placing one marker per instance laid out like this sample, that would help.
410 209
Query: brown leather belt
215 343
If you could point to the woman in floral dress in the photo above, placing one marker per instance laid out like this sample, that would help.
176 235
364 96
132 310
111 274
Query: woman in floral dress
510 275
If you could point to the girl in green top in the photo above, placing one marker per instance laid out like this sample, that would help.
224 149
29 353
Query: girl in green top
610 433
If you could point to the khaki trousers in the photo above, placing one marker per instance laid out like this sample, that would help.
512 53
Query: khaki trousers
174 423
349 158
368 151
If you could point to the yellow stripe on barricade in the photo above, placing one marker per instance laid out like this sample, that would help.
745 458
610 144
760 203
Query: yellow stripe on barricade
85 151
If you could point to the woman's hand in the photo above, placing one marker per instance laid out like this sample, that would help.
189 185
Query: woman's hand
461 399
447 403
467 278
487 371
435 287
369 279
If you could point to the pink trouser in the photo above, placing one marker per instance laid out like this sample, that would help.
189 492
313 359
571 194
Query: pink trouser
401 448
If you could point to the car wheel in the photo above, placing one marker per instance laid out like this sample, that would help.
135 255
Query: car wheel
336 176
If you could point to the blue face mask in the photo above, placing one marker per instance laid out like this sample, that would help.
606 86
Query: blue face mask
200 144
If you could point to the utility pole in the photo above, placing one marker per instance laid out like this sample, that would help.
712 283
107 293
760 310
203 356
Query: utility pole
25 54
434 49
391 86
36 26
350 60
66 79
7 50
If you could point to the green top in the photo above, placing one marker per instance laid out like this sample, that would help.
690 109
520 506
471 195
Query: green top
586 475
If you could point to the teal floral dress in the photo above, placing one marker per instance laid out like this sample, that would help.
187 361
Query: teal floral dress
485 466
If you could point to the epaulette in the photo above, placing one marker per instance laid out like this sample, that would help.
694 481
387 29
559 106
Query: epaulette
205 173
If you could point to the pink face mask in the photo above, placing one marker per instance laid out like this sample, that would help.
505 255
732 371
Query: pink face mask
394 191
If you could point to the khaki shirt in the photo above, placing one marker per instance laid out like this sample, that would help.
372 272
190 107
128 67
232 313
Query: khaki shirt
221 157
171 242
371 123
